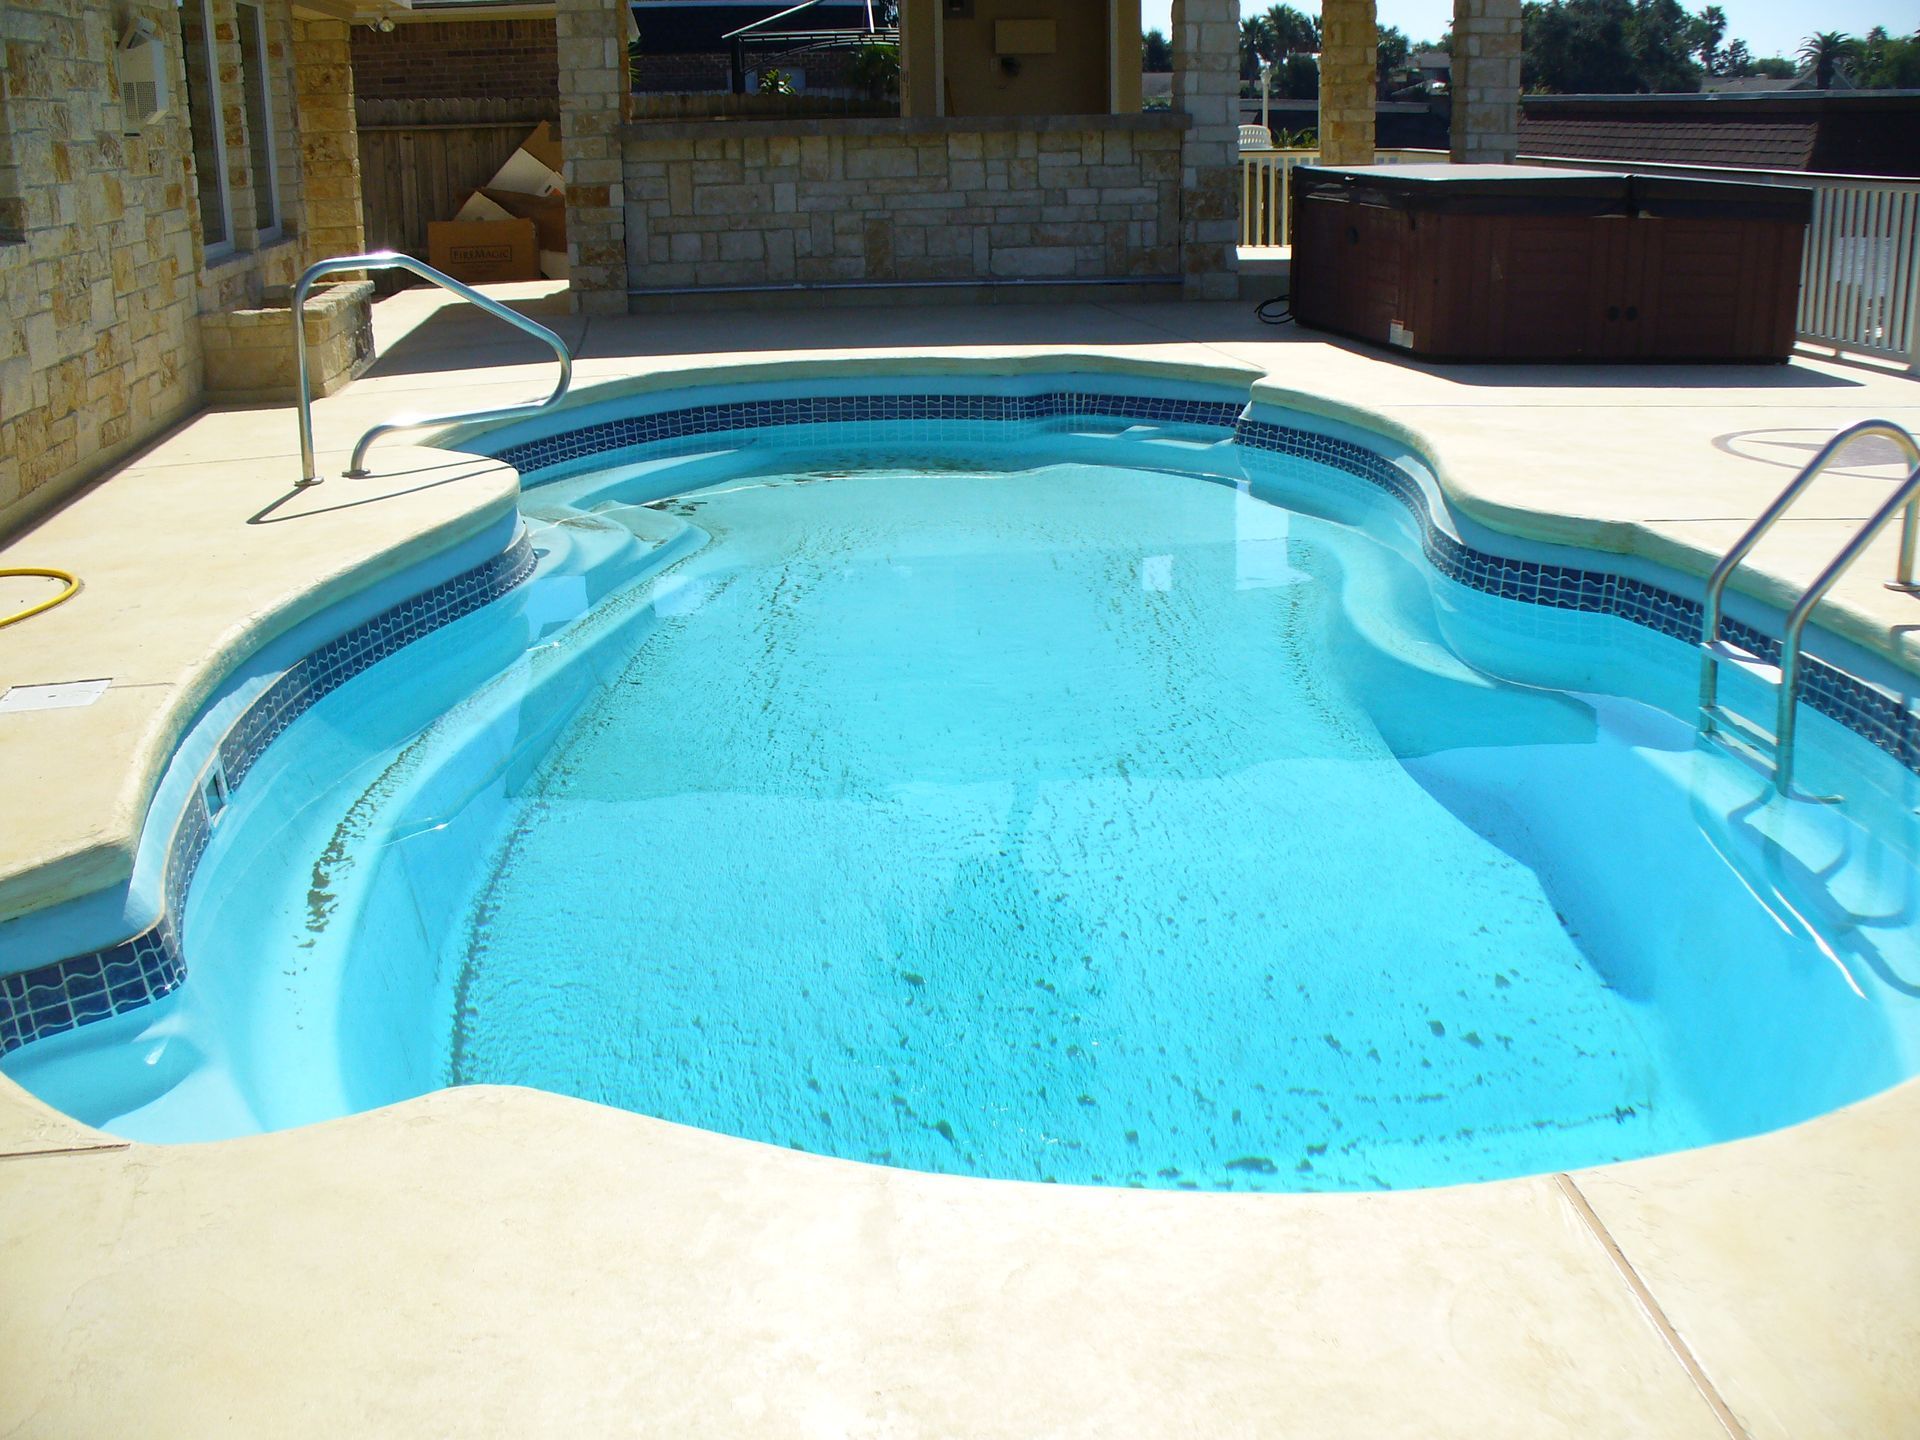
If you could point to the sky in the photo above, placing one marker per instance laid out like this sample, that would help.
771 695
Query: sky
1770 27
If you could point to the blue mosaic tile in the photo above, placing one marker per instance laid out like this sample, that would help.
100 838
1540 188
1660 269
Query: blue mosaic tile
627 432
60 996
1878 717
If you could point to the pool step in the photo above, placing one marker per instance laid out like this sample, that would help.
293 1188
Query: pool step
1725 652
1753 743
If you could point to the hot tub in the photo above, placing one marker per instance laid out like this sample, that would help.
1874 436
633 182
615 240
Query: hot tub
1523 262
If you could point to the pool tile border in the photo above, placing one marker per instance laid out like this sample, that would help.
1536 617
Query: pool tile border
1869 711
63 995
627 432
68 993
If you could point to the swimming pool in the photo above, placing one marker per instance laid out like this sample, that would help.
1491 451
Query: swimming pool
1051 781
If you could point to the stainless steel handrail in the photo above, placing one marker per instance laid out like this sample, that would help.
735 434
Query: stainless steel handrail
392 260
1905 497
1902 498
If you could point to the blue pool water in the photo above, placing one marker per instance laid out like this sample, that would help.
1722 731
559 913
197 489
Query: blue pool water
994 811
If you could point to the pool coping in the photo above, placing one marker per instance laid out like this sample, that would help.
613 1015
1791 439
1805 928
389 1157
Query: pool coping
1755 1182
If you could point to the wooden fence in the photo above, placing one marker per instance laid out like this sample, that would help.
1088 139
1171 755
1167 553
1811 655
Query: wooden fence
419 160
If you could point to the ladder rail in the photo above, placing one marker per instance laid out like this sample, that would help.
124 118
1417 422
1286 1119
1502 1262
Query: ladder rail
1906 497
393 260
1712 604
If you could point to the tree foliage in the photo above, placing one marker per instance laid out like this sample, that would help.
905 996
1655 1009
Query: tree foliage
1827 55
1888 62
1156 55
1613 47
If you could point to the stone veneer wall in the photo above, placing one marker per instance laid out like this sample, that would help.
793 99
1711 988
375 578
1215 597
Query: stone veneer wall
102 274
98 343
329 138
1073 197
595 98
1349 76
250 356
1206 88
1486 80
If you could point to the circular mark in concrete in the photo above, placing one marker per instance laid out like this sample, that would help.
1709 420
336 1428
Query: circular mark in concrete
1868 458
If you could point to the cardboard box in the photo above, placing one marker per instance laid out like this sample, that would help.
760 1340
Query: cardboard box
485 251
554 266
524 175
479 207
544 145
547 212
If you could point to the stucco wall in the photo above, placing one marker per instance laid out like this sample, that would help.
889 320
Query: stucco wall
102 275
889 201
949 64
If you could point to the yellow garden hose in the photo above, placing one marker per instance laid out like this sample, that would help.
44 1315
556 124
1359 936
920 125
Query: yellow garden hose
73 589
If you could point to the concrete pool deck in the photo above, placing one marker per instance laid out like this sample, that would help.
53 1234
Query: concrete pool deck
494 1261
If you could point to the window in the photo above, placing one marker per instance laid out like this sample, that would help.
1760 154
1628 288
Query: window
203 120
253 81
13 205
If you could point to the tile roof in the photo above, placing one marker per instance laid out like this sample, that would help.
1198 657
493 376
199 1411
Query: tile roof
1784 144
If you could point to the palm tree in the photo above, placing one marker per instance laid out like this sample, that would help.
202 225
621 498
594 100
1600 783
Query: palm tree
1293 33
1256 47
1826 54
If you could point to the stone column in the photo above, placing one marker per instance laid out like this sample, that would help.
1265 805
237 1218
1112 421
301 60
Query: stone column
1206 85
594 102
1486 80
329 141
1349 65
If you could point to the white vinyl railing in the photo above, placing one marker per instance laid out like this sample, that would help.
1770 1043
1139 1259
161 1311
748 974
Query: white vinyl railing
1860 270
1266 190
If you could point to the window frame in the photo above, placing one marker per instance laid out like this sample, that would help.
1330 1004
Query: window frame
263 158
222 248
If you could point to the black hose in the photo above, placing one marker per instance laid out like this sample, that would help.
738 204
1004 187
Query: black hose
1277 311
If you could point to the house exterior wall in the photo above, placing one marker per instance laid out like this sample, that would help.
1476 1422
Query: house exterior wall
949 66
876 200
102 270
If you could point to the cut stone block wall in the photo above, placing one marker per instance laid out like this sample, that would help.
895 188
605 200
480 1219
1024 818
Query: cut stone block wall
1486 80
102 270
249 353
1206 87
591 37
1349 70
98 346
329 139
885 200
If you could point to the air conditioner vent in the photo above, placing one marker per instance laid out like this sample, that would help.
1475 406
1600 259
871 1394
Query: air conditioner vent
143 74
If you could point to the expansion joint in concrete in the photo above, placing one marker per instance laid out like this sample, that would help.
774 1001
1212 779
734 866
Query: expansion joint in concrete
1644 1298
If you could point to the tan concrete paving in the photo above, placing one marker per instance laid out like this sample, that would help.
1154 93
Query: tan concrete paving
184 571
505 1263
502 1262
1789 1265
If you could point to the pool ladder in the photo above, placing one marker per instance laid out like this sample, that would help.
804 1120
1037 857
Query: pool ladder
1773 750
393 260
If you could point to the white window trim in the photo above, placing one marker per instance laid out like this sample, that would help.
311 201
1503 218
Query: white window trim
214 249
270 234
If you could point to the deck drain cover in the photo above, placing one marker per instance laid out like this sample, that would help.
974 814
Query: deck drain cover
67 695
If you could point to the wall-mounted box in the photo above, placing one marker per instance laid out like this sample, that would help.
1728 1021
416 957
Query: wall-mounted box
1023 37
